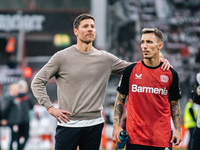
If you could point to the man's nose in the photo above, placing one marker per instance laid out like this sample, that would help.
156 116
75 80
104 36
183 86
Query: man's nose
90 28
144 45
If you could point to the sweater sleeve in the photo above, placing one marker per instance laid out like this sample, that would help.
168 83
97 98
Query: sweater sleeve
39 82
118 65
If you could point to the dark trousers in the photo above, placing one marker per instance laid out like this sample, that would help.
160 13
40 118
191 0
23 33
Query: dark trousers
191 130
142 147
23 132
14 135
195 143
87 138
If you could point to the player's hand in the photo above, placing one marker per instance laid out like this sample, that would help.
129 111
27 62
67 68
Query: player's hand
176 137
166 65
59 114
115 134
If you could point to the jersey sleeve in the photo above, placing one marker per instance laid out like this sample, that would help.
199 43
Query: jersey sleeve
174 90
123 86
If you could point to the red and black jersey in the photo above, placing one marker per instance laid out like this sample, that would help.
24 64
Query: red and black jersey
149 91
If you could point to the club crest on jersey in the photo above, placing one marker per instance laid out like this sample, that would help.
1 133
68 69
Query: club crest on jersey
138 76
164 78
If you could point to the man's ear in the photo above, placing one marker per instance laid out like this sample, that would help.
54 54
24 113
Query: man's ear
75 31
160 45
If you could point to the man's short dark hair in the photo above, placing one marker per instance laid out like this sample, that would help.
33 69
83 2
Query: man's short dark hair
80 18
157 32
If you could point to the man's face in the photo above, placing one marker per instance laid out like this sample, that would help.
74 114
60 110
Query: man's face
150 45
14 89
86 31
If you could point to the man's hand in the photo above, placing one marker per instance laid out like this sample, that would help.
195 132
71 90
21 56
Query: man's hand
176 135
166 65
115 134
198 90
59 114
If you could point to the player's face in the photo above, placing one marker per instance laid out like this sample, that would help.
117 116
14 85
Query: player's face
150 46
86 31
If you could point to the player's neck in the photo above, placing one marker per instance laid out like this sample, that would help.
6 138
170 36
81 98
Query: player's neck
83 47
151 62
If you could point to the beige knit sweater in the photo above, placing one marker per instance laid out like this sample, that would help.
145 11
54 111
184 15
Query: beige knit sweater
81 79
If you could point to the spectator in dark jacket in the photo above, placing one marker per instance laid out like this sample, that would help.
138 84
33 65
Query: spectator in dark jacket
11 111
26 104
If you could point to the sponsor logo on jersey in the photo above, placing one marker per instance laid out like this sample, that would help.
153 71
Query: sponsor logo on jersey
144 89
164 78
138 76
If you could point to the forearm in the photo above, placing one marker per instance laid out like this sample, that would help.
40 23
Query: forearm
118 109
176 114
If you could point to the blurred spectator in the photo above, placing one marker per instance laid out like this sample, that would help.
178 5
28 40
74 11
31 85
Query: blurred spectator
26 104
0 121
197 59
11 111
190 115
106 141
196 133
42 128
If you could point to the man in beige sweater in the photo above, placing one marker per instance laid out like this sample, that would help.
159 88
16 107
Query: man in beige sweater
82 73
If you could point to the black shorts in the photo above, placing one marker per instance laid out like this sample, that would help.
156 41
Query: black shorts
87 138
143 147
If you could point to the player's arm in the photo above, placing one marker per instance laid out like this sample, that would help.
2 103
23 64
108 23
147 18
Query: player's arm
166 65
118 111
176 117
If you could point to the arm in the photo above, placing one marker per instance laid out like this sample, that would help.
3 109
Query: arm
176 117
6 106
118 111
166 65
119 65
39 82
38 86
